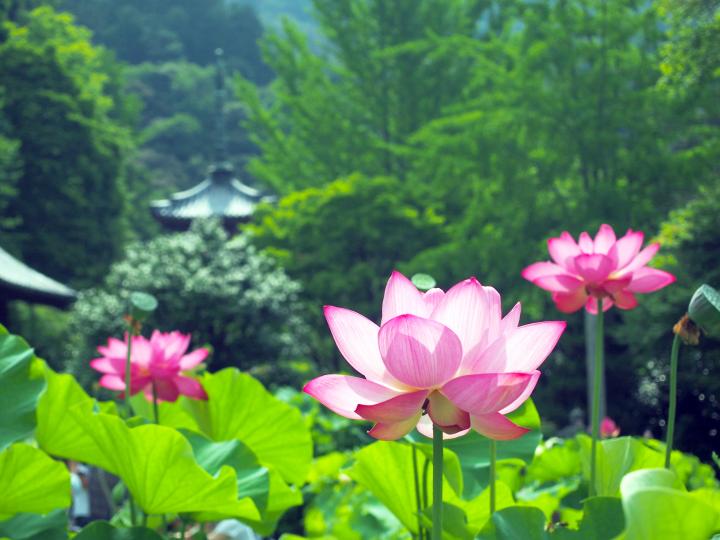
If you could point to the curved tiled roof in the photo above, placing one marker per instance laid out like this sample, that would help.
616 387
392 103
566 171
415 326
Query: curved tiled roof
20 282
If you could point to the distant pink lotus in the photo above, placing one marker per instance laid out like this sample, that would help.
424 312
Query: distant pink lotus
606 268
608 428
159 360
445 358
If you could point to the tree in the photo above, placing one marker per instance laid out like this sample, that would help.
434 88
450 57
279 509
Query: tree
69 198
222 291
391 67
343 240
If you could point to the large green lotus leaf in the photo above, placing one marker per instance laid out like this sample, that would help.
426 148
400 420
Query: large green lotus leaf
51 526
657 507
102 530
157 465
386 470
239 407
555 459
60 433
474 450
616 458
22 383
271 494
602 520
515 523
31 481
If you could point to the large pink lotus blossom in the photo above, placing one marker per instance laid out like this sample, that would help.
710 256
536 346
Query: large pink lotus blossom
606 268
158 361
447 358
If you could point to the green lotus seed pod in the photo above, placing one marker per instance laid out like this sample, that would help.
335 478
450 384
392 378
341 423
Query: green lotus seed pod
424 282
142 305
704 310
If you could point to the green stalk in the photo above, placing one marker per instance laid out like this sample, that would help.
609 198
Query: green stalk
493 459
437 483
597 380
418 503
130 333
673 399
156 413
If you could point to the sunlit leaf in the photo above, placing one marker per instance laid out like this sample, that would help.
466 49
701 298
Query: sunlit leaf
31 481
22 383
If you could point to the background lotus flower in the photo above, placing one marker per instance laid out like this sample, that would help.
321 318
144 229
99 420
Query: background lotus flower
608 428
606 268
447 358
159 360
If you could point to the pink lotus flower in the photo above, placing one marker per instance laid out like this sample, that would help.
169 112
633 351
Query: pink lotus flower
606 268
159 360
608 428
445 358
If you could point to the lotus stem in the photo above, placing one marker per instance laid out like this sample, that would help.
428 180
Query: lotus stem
156 413
418 502
127 367
672 407
493 459
437 483
597 385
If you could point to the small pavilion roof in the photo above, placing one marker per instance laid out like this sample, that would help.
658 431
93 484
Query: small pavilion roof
20 282
219 195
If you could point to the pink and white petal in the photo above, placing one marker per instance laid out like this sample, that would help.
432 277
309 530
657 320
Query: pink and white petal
425 427
343 393
562 283
641 259
109 365
357 339
432 298
112 382
190 387
511 320
496 426
166 390
594 268
563 248
491 359
394 409
627 247
592 304
611 286
625 300
395 430
486 393
586 243
142 352
465 310
646 280
419 352
192 359
604 239
446 414
173 344
542 269
531 344
522 398
570 302
402 298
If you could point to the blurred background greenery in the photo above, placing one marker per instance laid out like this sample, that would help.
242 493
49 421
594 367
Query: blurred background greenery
450 137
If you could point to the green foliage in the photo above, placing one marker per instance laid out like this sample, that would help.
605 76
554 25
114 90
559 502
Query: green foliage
220 290
343 240
102 530
22 382
69 195
25 526
31 481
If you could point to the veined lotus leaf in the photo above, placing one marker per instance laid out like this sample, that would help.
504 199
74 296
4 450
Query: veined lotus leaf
31 481
616 458
102 530
22 383
50 526
157 465
657 507
515 523
239 407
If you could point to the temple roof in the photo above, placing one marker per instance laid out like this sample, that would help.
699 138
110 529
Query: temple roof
220 195
20 282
